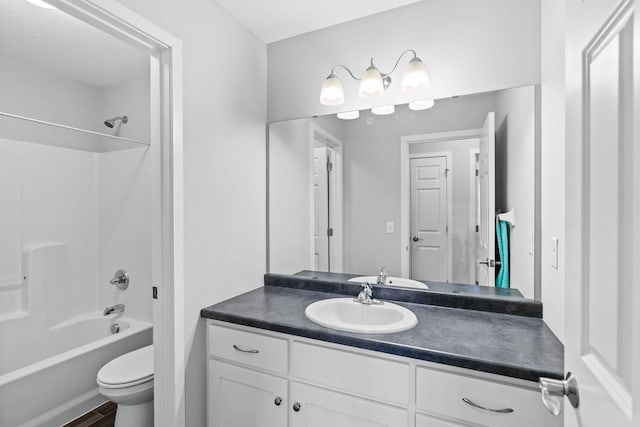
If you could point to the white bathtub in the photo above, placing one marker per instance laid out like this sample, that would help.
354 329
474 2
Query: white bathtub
50 378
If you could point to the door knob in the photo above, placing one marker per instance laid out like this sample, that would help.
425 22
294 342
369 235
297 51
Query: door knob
277 401
488 262
416 238
296 407
553 391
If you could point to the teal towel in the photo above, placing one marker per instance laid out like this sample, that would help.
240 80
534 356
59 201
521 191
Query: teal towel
502 280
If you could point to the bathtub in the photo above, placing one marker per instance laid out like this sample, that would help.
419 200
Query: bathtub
50 378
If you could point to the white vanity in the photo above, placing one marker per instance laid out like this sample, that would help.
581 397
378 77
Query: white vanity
261 378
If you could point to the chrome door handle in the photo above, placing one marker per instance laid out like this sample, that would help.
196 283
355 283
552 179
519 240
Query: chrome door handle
246 350
553 391
277 401
296 407
416 238
488 262
498 411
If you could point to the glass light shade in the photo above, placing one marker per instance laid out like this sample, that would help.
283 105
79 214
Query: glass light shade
371 86
349 115
332 92
422 104
383 110
415 77
42 4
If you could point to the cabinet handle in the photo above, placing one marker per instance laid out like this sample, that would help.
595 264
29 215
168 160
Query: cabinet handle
246 350
475 405
296 407
277 401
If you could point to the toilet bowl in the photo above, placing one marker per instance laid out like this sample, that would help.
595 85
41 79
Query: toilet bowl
128 381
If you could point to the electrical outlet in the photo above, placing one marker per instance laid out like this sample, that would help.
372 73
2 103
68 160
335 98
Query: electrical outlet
554 252
390 227
530 245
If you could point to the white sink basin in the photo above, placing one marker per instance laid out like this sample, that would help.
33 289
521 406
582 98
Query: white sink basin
391 281
345 314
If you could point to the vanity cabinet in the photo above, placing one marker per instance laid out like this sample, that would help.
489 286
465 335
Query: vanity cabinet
258 378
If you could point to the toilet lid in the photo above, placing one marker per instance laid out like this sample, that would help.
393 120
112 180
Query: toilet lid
129 369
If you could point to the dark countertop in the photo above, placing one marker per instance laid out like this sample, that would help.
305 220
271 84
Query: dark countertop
504 344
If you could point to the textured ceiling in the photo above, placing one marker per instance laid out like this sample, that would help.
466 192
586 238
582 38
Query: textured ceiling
54 41
273 20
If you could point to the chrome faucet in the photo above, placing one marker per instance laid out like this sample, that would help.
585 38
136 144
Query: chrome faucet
382 276
366 295
118 308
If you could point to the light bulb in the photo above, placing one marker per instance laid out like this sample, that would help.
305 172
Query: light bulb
415 77
422 104
371 86
332 92
42 4
383 110
349 115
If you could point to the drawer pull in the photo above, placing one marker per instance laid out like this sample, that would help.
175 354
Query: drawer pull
475 405
246 350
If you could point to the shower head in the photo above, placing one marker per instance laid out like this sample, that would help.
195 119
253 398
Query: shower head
111 122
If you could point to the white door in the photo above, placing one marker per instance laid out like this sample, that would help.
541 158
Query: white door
602 346
429 216
316 407
486 250
239 397
321 208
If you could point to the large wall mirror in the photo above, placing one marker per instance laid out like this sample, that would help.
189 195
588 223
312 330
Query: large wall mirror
415 191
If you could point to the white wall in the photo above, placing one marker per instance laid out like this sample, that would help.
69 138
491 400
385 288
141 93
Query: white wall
224 165
515 180
468 47
553 162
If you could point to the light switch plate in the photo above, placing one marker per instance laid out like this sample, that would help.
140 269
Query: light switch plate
390 227
554 252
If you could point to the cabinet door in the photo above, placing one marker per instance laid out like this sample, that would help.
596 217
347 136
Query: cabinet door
239 397
425 421
316 407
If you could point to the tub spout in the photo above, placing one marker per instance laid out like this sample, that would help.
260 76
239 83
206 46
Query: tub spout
118 308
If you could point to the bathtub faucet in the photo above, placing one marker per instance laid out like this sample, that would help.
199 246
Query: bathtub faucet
118 308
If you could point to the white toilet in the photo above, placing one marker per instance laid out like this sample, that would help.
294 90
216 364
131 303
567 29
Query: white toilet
128 381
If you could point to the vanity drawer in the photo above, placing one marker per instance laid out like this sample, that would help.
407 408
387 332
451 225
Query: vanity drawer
248 348
442 393
367 376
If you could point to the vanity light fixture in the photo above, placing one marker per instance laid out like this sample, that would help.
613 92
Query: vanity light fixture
383 110
373 83
422 104
42 4
349 115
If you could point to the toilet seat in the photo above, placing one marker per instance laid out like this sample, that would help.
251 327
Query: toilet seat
128 370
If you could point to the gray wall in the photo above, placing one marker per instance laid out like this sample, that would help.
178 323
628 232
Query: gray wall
468 47
515 178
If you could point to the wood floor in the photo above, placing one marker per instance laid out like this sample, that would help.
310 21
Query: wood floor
103 416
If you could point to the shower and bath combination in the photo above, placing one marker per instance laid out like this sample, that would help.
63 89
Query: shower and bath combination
111 122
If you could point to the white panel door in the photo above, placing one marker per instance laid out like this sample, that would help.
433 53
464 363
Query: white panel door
239 397
486 249
602 345
429 240
317 407
320 208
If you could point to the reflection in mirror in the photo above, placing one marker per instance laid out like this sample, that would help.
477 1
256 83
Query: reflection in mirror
415 191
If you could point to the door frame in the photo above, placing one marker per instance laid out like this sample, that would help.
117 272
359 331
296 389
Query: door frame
474 217
167 221
405 189
337 210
